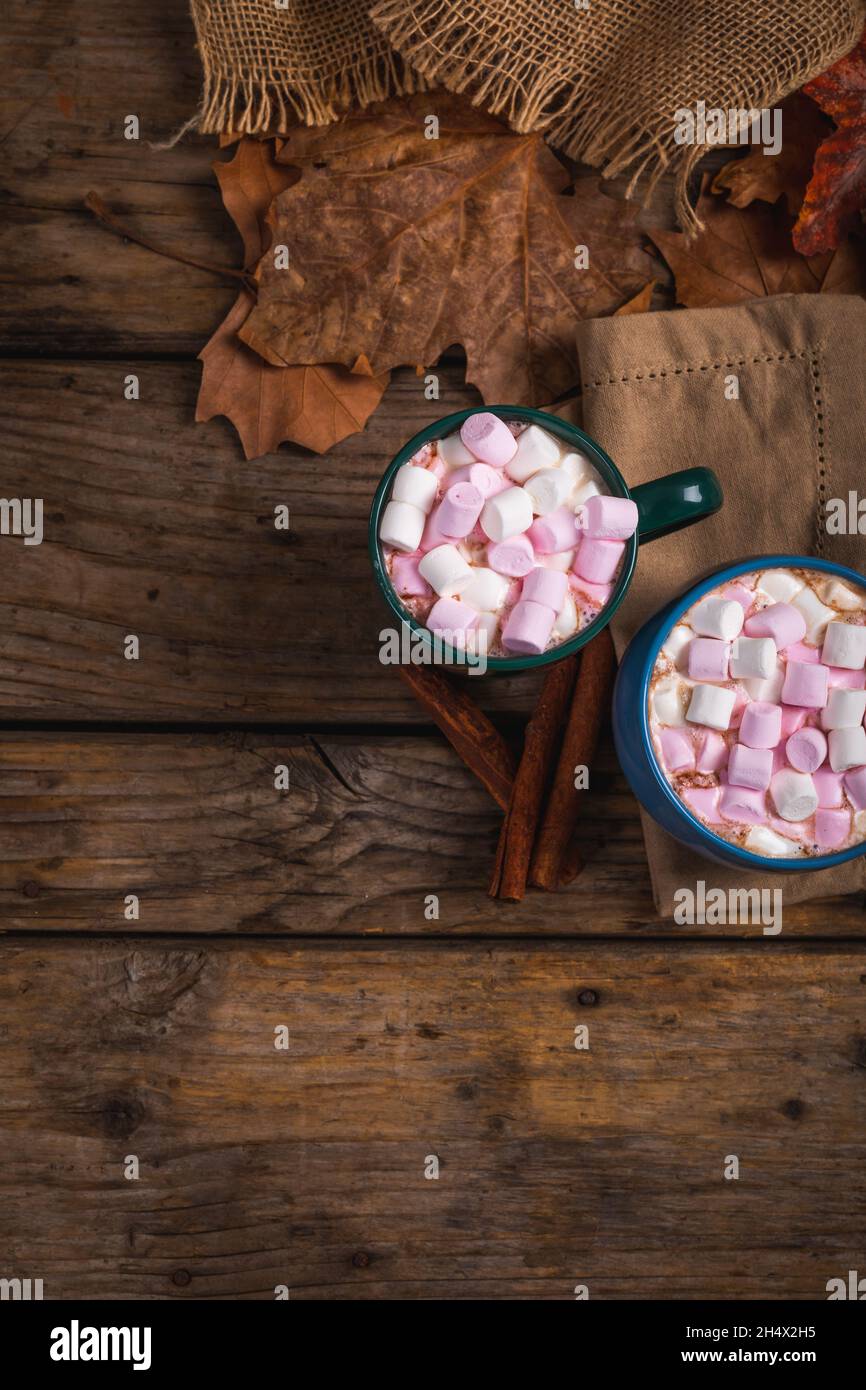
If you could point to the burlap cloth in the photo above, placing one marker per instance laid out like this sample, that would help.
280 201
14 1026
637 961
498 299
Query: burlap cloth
654 397
603 81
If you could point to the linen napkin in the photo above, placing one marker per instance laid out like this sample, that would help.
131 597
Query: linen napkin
771 394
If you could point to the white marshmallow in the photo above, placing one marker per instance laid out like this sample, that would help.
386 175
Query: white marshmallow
566 618
839 596
767 688
453 451
794 795
561 561
486 590
678 638
535 449
507 514
712 705
582 493
549 489
416 485
483 632
402 526
844 708
445 570
762 840
847 748
577 467
717 617
816 613
668 701
844 645
781 585
753 657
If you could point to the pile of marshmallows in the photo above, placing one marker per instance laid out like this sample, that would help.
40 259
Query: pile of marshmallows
775 751
520 498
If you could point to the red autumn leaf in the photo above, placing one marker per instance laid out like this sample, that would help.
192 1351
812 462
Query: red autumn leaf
837 189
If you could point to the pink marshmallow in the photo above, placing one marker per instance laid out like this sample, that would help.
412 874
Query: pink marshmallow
678 751
513 558
704 801
743 804
806 750
598 560
741 700
488 480
488 438
437 466
847 680
761 725
750 767
708 659
406 579
598 593
781 621
855 786
609 518
779 759
433 533
792 830
545 586
451 620
459 510
805 684
527 628
739 594
832 828
801 651
712 752
828 785
556 532
793 719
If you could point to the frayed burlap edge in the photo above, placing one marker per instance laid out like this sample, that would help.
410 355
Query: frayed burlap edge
257 105
533 99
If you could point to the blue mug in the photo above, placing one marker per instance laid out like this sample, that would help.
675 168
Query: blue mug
633 739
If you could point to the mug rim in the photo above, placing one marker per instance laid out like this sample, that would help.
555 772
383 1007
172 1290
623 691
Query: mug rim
564 429
744 856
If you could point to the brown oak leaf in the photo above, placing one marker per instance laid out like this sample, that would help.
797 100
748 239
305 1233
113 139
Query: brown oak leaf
316 406
746 253
401 246
786 174
837 189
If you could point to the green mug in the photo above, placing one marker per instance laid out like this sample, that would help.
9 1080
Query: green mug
664 505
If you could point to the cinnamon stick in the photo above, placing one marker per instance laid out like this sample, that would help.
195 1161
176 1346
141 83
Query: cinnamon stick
470 733
555 859
530 783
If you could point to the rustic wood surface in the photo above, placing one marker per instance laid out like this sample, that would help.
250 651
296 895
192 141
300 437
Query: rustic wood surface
558 1166
192 824
306 1168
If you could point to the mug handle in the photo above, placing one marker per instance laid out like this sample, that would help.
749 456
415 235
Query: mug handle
670 503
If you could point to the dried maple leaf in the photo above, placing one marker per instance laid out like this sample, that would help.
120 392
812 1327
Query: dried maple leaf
746 254
316 406
402 246
837 190
786 174
639 304
248 183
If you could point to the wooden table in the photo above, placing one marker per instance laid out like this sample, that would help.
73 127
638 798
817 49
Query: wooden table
157 1035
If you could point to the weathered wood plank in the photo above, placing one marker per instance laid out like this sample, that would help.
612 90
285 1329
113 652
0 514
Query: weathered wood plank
75 71
155 526
367 831
305 1167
